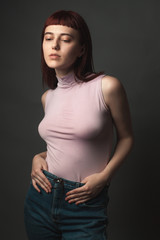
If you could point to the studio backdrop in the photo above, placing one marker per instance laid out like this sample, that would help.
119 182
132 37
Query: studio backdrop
126 43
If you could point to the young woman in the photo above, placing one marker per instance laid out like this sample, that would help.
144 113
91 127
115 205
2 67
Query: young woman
68 194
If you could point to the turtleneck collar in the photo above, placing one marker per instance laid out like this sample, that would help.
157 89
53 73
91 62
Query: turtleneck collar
67 81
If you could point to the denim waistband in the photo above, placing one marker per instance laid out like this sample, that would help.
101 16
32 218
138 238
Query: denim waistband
55 178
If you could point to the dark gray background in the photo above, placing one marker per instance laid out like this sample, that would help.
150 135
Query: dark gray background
126 40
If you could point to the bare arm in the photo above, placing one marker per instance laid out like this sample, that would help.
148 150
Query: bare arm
39 164
116 99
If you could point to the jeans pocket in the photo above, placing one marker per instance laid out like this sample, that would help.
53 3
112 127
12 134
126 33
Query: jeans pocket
100 201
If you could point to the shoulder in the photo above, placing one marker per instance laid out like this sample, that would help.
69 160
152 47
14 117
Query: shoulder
112 88
43 98
111 84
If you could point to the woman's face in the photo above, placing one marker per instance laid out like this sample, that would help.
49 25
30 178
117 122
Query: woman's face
61 48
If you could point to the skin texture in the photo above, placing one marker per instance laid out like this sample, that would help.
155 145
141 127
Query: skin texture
115 98
64 41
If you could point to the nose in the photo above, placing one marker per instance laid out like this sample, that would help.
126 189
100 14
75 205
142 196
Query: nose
55 44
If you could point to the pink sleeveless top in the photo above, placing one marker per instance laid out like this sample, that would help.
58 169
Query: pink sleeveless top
77 128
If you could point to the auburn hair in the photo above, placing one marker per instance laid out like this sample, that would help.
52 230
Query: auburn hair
83 66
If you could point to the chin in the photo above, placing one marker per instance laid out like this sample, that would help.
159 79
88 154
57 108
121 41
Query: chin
52 65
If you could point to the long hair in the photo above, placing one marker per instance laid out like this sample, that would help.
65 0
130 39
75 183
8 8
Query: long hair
83 66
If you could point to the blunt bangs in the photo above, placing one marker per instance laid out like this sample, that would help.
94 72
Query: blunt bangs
63 18
83 66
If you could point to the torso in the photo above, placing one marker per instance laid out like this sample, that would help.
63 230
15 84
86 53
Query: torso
77 128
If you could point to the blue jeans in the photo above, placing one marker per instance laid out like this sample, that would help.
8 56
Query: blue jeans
48 216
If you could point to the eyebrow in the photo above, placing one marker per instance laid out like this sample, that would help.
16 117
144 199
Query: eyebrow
62 34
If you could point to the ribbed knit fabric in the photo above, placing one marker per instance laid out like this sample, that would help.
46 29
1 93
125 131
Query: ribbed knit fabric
77 128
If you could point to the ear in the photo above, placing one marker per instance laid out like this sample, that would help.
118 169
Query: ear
82 51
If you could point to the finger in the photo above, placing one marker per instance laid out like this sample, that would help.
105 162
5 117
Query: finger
42 184
42 178
77 195
82 201
35 186
84 197
45 166
79 200
77 190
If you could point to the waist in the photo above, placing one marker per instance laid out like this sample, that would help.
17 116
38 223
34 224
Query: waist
64 181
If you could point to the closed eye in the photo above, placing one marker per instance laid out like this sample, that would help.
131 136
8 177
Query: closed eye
66 40
48 39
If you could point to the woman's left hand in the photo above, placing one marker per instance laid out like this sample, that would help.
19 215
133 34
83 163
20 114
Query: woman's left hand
93 186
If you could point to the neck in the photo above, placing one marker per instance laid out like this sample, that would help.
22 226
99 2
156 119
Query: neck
61 73
68 80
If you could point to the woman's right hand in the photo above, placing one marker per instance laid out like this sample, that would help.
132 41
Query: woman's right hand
39 164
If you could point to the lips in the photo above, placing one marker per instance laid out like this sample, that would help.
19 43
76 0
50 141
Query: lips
54 55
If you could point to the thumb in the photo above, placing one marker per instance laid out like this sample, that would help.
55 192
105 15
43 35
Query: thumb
45 166
85 180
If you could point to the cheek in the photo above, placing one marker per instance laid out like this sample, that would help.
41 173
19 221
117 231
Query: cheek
73 53
44 50
45 53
